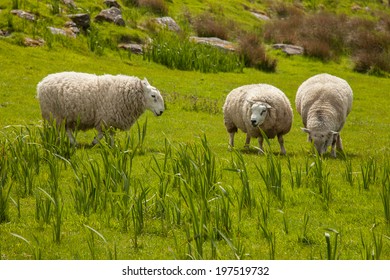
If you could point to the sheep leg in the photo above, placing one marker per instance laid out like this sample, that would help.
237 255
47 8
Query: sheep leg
281 143
339 143
98 137
247 141
71 137
231 140
333 148
260 140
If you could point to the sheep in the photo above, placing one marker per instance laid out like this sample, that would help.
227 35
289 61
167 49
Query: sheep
255 108
85 101
324 102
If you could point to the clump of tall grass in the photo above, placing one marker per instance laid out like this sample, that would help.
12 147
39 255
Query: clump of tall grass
55 140
157 6
385 195
254 54
332 251
36 248
5 187
25 152
207 25
372 250
245 196
369 175
181 53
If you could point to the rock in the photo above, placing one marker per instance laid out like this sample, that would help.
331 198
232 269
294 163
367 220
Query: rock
216 42
23 14
289 49
4 33
72 27
134 48
69 3
28 42
81 20
260 16
112 3
112 14
59 31
168 22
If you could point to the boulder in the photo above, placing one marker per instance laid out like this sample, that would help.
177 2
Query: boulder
289 49
134 48
81 20
215 42
28 42
69 3
23 14
112 3
169 23
4 33
112 14
260 16
70 26
59 31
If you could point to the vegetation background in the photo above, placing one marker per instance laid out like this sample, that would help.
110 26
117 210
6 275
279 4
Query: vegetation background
170 188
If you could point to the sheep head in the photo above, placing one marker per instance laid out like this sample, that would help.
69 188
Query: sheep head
259 112
154 100
321 139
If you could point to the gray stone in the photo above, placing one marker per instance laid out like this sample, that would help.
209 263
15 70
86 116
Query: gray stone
112 14
216 42
289 49
260 16
81 20
168 22
134 48
23 14
28 42
112 3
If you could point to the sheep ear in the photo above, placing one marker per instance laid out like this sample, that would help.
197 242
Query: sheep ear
268 106
334 133
305 130
145 82
250 101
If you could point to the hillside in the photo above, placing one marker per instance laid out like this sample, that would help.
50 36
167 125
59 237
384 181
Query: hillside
169 188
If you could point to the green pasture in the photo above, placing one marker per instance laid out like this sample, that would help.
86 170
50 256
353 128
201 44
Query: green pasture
170 188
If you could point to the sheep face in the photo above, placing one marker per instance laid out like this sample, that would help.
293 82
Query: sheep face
154 100
321 140
259 112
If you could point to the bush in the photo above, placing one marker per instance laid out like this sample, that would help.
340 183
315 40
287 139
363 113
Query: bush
206 25
254 55
157 6
327 37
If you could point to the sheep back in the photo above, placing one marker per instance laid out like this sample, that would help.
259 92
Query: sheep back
324 101
91 101
237 110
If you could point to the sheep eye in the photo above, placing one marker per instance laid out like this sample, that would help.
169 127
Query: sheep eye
153 96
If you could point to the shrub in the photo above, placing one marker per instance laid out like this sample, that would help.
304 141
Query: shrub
322 36
370 46
253 53
206 25
156 6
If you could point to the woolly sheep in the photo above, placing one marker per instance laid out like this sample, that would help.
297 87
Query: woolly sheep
85 101
254 107
324 102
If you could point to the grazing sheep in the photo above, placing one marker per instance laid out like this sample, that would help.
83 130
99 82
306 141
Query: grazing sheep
86 101
324 102
258 106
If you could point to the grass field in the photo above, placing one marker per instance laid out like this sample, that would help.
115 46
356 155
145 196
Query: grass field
171 189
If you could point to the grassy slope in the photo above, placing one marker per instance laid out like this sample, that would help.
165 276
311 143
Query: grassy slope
352 211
